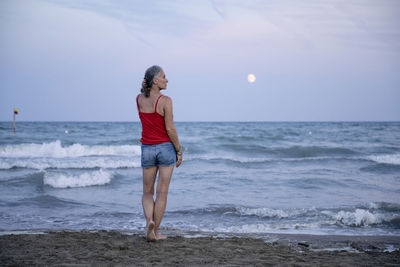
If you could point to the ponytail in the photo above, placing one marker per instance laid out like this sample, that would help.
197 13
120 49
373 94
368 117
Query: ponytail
147 83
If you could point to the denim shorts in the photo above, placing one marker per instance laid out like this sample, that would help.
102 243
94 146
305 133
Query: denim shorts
158 155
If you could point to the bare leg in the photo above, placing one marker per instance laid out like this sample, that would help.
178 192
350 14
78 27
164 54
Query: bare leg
164 178
149 178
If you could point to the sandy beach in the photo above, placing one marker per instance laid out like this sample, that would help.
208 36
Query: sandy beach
113 248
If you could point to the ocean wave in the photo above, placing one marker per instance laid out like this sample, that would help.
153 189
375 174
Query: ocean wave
290 152
294 218
314 151
75 163
268 212
362 217
260 160
393 159
236 159
254 228
226 157
208 210
359 217
56 150
353 218
384 206
240 211
244 229
46 201
61 180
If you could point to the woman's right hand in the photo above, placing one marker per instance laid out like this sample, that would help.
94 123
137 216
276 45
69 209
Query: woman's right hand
178 159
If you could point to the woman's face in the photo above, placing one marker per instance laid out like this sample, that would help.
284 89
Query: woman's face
161 81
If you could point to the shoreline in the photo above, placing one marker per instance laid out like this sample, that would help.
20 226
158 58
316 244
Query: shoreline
102 247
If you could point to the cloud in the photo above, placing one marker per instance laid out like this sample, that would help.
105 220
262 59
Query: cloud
311 24
217 9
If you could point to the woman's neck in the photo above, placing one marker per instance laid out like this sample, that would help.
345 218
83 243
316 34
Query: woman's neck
155 92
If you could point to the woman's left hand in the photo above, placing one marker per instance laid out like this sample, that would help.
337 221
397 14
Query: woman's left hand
179 159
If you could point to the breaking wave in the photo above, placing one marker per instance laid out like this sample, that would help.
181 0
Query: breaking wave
393 159
304 219
56 150
359 217
76 163
61 180
76 156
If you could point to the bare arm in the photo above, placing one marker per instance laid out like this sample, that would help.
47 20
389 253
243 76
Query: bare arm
171 131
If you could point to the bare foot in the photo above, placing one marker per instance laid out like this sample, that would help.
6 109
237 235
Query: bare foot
160 236
150 235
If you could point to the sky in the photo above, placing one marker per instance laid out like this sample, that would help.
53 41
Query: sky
331 60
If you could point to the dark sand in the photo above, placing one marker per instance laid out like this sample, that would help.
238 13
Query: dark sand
113 248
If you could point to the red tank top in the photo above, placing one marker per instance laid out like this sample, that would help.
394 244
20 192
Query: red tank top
153 126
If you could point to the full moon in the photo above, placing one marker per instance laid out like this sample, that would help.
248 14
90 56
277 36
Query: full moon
251 78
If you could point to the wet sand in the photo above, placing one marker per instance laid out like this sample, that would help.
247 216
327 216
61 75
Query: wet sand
113 248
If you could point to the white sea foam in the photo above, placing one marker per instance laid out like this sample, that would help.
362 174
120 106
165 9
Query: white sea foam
5 165
61 180
56 150
374 205
263 212
240 159
247 228
390 248
387 159
225 157
359 217
267 228
74 163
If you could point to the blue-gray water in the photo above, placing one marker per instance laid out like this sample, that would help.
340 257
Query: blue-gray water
248 178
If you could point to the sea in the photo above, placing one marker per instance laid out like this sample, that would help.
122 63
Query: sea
237 178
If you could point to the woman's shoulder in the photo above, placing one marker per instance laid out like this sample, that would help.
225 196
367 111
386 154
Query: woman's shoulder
165 97
166 100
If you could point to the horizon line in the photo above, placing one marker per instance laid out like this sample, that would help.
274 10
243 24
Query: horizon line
211 121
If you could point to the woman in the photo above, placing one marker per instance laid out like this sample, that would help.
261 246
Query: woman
160 147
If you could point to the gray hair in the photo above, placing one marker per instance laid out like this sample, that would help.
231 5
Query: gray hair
149 75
